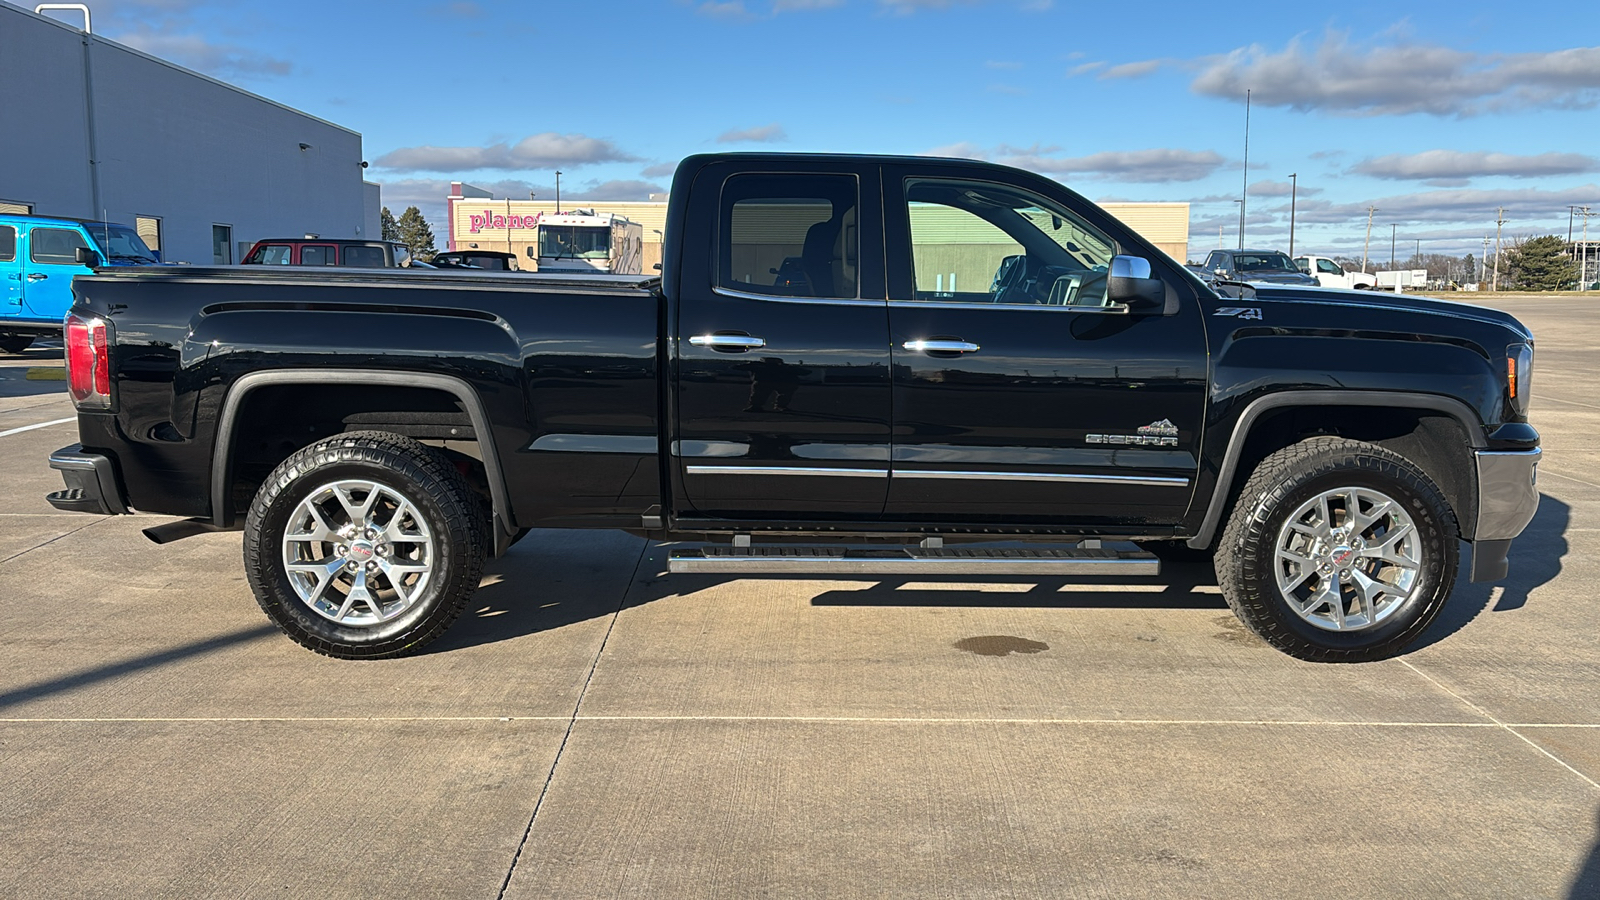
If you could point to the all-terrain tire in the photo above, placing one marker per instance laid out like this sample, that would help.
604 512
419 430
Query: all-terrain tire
425 495
1247 553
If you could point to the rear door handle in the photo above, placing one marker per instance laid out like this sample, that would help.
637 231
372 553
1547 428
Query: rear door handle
941 346
735 343
37 276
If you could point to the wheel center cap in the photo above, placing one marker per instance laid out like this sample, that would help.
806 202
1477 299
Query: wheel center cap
361 551
1341 556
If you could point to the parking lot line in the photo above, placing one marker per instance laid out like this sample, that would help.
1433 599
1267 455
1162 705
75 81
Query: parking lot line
808 720
10 431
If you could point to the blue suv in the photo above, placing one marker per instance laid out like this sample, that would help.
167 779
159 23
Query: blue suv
38 259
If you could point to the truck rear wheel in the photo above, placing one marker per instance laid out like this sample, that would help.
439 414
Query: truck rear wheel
1338 551
364 546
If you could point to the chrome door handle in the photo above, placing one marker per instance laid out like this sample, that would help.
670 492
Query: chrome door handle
37 276
940 346
728 341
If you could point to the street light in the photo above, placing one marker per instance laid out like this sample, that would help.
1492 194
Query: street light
558 192
1392 227
1294 187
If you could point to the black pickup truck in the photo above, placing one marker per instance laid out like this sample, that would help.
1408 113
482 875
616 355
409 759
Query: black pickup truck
976 372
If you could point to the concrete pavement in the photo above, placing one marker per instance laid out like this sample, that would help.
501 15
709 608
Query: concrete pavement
594 728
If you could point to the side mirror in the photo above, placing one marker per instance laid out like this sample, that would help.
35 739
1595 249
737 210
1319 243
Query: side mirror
1222 272
1128 282
86 256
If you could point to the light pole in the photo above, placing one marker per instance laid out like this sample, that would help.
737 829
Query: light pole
1392 228
1244 191
1294 189
1499 220
558 192
1483 263
1368 242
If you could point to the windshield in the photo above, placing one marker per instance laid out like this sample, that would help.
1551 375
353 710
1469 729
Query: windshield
120 242
574 241
1262 262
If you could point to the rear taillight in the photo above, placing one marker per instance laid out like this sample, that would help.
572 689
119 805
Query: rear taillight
88 363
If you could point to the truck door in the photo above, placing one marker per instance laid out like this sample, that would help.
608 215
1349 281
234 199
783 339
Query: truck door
10 273
48 270
780 339
1020 394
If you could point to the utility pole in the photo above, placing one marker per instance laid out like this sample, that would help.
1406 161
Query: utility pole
558 192
1368 242
1392 227
1244 192
1499 221
1219 235
1583 267
1294 188
1483 263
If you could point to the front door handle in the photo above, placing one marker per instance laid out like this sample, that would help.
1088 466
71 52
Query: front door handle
37 276
728 343
940 346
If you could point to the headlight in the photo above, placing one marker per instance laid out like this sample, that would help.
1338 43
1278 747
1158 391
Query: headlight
1519 376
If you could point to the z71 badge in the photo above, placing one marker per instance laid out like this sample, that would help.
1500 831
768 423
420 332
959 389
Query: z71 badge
1156 434
1242 312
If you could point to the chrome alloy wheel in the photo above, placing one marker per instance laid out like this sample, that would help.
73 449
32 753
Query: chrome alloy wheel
358 553
1348 559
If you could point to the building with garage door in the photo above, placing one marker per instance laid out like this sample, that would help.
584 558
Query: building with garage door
200 168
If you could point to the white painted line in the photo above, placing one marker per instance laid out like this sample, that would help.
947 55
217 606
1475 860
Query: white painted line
38 425
847 720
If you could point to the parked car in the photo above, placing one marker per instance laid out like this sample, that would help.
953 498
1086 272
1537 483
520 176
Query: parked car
1330 274
375 444
38 260
1264 266
328 252
492 260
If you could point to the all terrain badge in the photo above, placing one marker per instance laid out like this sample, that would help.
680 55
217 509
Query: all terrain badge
1156 434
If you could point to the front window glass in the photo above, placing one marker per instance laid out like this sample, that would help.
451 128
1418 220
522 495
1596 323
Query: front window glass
573 242
1329 266
790 235
977 242
273 255
1262 262
121 243
55 246
365 256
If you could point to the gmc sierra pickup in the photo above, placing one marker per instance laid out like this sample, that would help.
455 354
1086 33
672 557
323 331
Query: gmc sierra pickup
961 369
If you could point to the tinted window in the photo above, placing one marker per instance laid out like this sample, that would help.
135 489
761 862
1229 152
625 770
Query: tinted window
366 257
8 243
1329 266
272 255
1263 262
55 246
978 242
317 255
222 245
789 235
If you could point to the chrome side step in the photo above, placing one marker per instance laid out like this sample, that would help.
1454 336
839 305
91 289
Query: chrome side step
911 561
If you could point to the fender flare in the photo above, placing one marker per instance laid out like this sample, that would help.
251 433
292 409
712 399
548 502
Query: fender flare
222 451
1450 406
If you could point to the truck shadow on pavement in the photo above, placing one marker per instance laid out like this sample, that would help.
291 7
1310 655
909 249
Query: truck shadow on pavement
1535 561
1586 884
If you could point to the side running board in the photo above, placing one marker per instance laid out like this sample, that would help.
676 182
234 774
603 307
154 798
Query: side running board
911 561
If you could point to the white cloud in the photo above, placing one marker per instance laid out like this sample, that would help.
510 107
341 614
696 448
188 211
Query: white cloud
763 134
194 51
538 151
1349 78
660 170
1155 165
1131 70
1280 189
1524 206
1083 69
961 150
1438 165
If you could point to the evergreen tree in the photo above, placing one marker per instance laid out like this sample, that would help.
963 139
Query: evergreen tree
390 231
1539 264
413 231
1469 265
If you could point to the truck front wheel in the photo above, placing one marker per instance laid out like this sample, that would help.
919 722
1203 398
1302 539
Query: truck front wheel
1338 551
364 546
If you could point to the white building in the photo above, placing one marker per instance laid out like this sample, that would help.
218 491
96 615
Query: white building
97 130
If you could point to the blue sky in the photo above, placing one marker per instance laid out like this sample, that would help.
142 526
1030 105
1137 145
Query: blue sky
1436 113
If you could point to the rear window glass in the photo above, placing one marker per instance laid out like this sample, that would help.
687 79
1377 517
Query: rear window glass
8 243
789 235
363 256
55 246
317 255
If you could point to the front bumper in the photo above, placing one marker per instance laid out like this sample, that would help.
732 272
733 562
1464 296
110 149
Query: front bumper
92 485
1508 496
